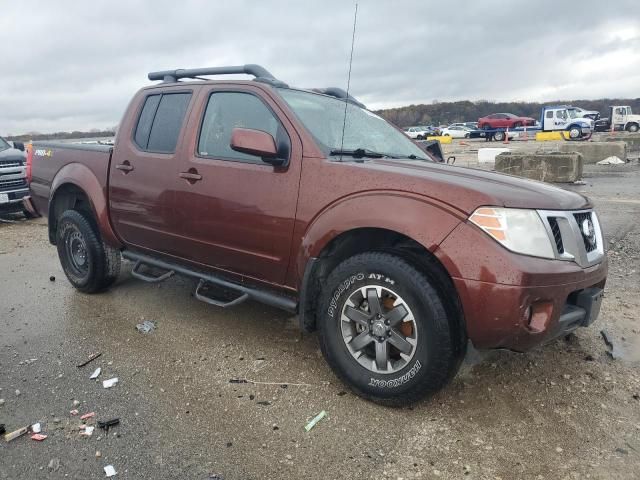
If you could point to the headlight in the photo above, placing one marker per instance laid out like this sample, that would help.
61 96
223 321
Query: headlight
519 230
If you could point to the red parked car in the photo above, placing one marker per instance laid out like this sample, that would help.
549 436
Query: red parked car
504 120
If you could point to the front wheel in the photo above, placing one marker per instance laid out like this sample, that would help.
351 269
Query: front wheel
498 136
384 330
575 133
88 263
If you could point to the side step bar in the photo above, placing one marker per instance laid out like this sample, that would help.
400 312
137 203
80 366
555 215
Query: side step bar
244 292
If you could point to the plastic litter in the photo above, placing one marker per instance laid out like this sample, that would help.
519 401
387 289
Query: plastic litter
38 437
87 431
613 160
315 420
74 412
110 383
96 373
146 326
88 415
109 471
36 428
15 434
91 358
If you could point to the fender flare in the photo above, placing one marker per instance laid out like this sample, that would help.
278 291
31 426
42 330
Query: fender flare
81 177
424 220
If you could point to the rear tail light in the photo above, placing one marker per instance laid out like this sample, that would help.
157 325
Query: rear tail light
29 161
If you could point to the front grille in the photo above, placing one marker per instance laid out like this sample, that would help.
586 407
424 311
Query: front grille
557 236
11 184
10 163
576 235
590 243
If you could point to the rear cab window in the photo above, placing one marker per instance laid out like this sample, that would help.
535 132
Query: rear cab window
160 122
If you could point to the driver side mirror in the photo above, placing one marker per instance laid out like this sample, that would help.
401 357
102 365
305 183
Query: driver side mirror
256 142
18 146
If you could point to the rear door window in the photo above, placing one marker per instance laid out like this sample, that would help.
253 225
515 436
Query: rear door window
160 122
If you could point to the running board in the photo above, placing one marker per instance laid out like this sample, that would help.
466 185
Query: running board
220 301
244 292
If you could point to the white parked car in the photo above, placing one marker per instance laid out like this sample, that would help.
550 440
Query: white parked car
417 133
456 131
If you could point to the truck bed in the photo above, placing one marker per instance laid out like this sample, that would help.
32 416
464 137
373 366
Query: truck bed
57 162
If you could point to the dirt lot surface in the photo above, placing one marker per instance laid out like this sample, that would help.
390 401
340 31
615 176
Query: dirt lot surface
564 411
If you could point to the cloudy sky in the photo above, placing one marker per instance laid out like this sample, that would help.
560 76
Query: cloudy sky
75 64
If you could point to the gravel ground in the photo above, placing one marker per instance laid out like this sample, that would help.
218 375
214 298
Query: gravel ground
564 411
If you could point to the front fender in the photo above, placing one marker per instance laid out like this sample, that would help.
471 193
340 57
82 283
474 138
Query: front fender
422 219
83 178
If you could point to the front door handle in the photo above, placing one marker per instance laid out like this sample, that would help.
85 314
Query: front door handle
125 167
192 175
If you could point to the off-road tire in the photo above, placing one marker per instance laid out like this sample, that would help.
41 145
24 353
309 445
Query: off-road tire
437 355
102 261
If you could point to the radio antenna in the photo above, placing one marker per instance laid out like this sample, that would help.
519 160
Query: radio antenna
346 100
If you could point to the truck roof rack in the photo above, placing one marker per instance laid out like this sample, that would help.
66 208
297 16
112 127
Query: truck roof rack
338 93
260 73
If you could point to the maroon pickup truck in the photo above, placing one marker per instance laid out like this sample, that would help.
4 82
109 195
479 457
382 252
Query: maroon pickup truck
307 201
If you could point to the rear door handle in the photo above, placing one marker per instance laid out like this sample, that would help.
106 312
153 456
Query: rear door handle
125 166
192 176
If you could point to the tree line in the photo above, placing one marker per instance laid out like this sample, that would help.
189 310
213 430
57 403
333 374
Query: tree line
25 137
445 113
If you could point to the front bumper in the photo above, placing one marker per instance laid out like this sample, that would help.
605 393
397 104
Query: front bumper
14 200
522 317
515 301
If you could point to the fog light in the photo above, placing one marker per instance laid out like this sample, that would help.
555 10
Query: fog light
540 316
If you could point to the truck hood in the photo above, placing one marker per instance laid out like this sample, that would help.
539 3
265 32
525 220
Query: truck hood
466 189
12 154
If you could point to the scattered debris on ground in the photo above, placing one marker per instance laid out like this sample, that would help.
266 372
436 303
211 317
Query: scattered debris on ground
96 373
146 327
54 465
110 383
614 350
91 358
315 420
613 160
107 424
38 437
15 434
109 471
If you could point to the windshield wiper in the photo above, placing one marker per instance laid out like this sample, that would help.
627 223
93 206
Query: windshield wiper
360 153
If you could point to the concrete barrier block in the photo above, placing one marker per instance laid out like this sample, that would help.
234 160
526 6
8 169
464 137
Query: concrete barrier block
593 152
631 139
546 167
488 155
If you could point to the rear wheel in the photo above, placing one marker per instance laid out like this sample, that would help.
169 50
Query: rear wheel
384 330
632 128
498 136
88 263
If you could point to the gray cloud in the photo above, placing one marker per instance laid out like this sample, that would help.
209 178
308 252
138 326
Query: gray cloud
74 65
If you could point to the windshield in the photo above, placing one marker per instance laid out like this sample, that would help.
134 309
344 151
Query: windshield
3 144
324 117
